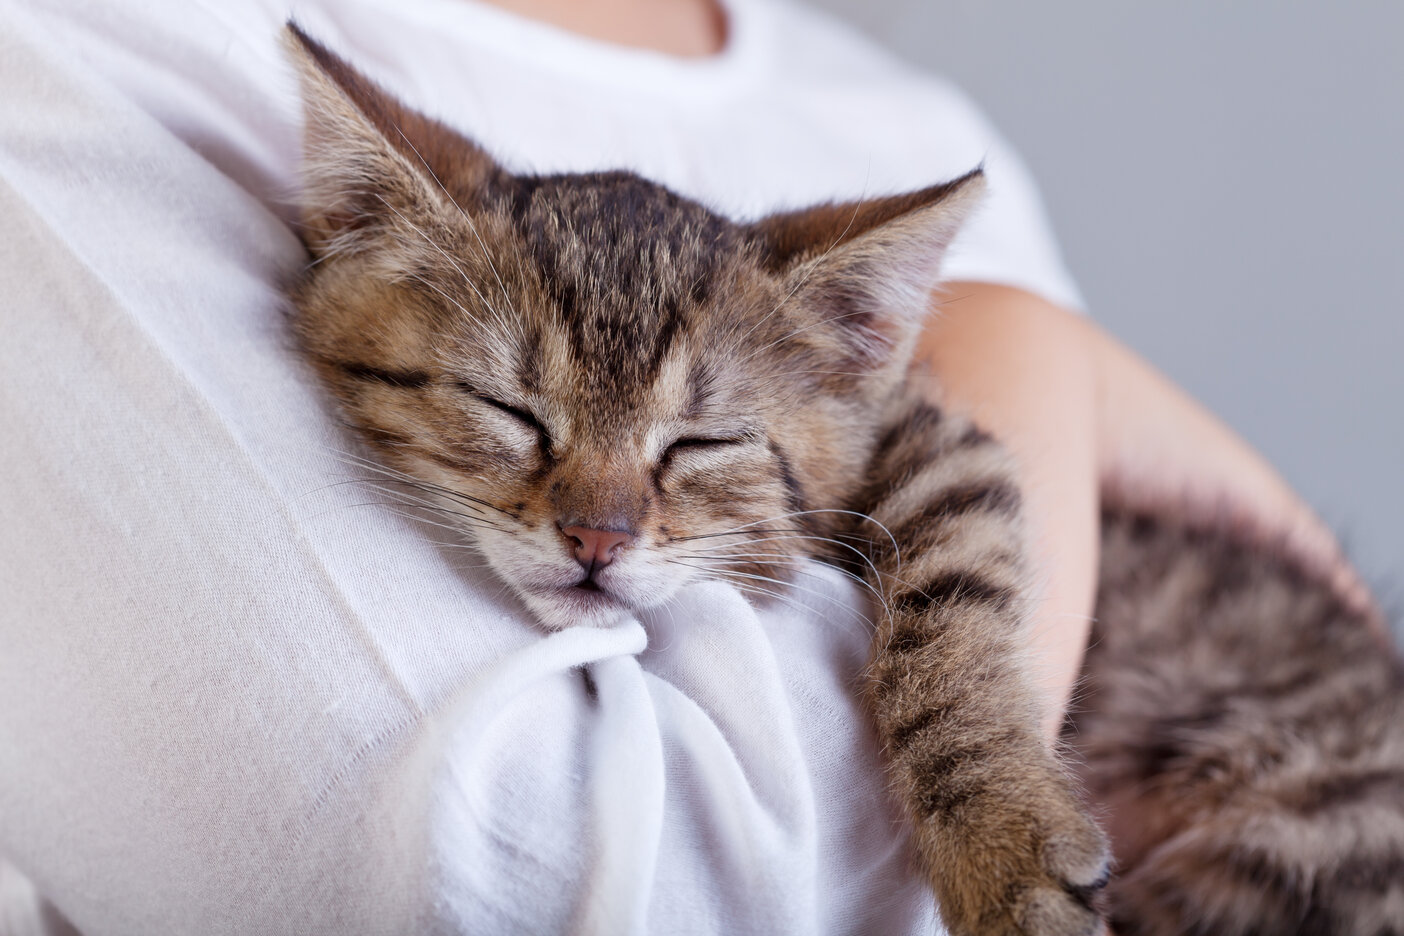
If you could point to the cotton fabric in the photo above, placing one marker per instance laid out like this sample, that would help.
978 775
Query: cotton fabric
239 694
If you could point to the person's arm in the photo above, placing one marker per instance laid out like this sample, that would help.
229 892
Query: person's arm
1079 411
1157 446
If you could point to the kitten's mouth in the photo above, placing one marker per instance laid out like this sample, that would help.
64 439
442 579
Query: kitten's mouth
587 594
586 602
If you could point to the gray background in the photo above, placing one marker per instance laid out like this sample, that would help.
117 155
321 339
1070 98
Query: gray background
1225 180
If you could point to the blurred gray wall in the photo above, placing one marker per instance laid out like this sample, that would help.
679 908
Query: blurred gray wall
1227 181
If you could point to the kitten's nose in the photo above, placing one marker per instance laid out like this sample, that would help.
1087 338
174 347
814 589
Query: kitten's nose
595 549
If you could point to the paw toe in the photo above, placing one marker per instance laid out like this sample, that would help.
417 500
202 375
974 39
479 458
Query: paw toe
1058 913
1078 856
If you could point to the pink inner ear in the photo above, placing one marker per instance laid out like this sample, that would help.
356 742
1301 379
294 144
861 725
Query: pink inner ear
872 265
874 291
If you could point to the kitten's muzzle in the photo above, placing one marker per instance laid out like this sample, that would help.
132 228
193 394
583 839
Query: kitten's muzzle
595 549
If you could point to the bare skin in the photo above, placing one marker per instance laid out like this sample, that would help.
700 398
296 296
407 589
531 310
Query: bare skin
684 28
1079 411
1082 413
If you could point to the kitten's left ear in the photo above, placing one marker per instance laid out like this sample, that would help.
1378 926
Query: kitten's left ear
369 159
869 267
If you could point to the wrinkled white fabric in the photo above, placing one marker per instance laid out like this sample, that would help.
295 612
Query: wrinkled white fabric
237 695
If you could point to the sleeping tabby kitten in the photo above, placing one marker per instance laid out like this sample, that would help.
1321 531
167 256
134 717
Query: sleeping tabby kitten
604 377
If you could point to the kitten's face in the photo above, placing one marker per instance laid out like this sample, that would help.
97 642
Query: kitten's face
609 389
604 391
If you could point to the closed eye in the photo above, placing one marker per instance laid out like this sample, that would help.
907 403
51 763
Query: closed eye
700 443
520 415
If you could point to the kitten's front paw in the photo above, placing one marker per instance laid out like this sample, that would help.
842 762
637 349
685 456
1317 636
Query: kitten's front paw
1030 863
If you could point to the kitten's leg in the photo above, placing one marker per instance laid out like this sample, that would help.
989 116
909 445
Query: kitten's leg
997 822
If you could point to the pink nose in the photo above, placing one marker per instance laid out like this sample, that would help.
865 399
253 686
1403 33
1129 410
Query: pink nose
595 549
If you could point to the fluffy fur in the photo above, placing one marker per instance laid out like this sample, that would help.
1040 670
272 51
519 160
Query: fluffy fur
1245 731
536 355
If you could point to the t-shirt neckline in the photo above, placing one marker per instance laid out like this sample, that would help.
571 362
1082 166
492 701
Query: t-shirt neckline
548 46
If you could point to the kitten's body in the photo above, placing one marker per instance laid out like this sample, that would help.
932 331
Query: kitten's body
1245 732
619 392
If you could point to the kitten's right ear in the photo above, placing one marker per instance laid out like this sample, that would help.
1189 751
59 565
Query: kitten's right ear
369 160
868 267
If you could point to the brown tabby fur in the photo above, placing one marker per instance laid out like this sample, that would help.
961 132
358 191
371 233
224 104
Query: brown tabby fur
531 353
1252 763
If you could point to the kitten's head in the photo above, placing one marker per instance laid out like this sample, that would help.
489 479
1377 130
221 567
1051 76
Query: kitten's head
612 390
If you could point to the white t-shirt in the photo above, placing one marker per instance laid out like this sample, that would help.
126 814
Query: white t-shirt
237 695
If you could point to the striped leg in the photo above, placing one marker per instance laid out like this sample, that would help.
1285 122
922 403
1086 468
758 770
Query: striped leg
997 823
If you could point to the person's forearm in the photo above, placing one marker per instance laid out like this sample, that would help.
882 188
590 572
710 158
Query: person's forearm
1025 373
1081 413
1159 448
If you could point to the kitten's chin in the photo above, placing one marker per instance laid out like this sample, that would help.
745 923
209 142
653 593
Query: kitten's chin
560 608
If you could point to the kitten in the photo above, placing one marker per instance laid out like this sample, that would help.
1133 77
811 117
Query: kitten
608 381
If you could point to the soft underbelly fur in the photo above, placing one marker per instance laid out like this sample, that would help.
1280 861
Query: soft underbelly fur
1243 733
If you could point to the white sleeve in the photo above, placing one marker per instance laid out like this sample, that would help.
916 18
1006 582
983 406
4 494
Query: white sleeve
235 699
1009 241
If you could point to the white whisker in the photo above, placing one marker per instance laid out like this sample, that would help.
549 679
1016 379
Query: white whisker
813 265
471 226
507 325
